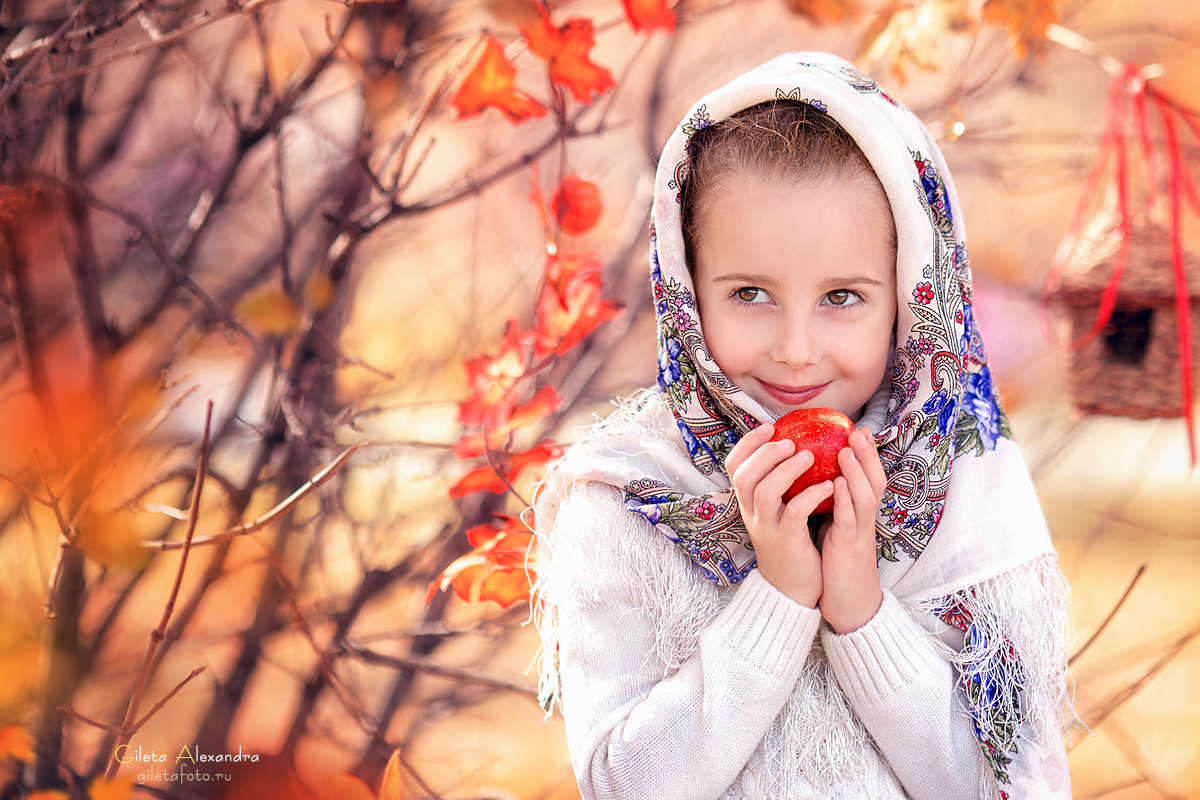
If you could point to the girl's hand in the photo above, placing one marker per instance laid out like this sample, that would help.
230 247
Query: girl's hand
850 577
761 471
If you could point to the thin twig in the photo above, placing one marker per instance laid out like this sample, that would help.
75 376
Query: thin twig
88 720
266 519
25 490
7 91
187 27
157 706
66 542
1111 614
425 665
131 722
1127 693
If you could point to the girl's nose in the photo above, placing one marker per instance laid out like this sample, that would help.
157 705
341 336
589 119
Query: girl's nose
795 345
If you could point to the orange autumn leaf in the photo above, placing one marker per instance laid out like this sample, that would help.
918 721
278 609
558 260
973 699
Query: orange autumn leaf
496 569
566 315
491 83
567 51
340 786
47 794
390 787
16 742
487 479
500 428
491 378
271 311
111 539
646 15
1026 20
822 12
576 205
115 789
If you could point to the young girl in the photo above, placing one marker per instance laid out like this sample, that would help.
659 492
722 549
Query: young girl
705 638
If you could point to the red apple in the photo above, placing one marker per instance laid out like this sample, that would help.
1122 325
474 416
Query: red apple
823 432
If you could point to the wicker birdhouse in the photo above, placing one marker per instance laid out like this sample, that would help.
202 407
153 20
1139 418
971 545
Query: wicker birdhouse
1132 367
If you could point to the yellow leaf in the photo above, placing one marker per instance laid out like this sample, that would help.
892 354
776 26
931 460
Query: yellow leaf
344 787
112 540
270 311
390 788
318 292
16 742
116 789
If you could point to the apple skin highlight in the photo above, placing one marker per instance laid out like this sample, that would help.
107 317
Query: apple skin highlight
823 432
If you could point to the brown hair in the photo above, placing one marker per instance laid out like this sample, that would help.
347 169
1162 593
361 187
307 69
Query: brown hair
777 140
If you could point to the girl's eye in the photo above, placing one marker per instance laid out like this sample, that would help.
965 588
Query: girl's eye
842 297
750 294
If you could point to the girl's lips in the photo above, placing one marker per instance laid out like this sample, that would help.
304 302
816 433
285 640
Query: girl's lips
792 395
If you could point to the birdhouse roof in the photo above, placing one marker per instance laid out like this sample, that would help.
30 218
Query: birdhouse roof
1149 278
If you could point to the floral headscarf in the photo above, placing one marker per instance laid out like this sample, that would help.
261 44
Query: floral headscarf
959 506
941 405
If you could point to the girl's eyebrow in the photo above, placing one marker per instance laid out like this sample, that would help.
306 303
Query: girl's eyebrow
836 282
842 281
745 277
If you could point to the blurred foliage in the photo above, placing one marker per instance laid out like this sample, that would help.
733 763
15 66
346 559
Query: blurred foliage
289 331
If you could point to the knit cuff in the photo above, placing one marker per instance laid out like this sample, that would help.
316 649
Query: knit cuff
766 628
890 651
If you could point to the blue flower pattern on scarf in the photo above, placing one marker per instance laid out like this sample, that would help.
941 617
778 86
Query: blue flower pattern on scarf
941 349
945 407
668 363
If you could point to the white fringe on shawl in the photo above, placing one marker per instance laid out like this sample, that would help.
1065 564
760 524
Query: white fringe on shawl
1026 608
1027 604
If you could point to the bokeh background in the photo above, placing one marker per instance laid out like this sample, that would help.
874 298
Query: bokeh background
364 266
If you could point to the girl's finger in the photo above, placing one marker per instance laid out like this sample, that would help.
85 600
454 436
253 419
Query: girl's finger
868 457
750 473
804 504
845 521
747 445
779 480
862 493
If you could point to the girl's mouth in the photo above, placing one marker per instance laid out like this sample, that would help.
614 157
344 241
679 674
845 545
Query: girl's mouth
792 395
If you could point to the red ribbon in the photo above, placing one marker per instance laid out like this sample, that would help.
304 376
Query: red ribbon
1114 142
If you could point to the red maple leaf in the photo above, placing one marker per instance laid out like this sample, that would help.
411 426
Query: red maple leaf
503 422
567 51
645 15
577 205
496 569
487 479
491 83
569 309
491 379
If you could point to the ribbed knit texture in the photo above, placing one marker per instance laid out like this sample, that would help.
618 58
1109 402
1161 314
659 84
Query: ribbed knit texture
673 689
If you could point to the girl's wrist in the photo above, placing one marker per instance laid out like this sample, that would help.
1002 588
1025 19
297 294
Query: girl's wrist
857 617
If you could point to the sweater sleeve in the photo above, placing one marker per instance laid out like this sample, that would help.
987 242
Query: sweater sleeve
637 728
904 693
908 697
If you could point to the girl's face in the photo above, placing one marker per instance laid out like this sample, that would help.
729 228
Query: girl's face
796 288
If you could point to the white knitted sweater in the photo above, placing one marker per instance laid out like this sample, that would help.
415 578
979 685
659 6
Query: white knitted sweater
674 689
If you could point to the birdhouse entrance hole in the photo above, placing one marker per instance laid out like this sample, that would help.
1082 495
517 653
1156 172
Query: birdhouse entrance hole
1127 334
